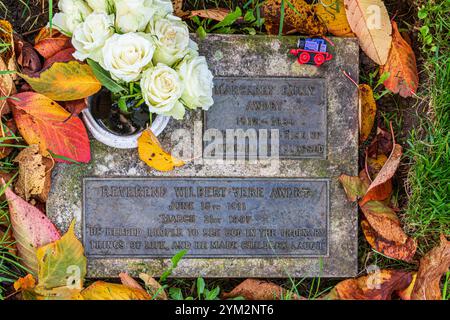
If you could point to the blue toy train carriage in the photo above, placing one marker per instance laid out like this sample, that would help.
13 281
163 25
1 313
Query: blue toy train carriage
312 51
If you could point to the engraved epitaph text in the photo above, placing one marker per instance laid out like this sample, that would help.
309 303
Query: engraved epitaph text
220 217
296 107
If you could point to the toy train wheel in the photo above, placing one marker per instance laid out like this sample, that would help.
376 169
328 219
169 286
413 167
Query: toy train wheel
304 58
319 59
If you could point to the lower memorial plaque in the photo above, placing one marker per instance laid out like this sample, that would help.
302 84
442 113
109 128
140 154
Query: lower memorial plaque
221 217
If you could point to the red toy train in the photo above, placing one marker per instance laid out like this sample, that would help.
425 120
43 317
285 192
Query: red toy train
312 51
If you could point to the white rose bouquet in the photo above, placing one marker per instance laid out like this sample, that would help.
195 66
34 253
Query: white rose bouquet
140 52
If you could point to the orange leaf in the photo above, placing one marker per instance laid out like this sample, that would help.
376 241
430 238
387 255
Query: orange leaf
370 22
401 66
378 285
25 283
216 14
253 289
44 122
354 187
65 81
390 249
432 266
151 152
367 111
48 43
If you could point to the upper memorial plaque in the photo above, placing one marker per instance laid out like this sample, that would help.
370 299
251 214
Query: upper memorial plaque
296 108
261 92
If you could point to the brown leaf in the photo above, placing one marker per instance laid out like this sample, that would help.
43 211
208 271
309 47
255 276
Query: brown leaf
7 88
384 221
153 287
377 190
34 175
178 8
390 249
6 37
9 130
215 14
303 18
401 66
432 266
253 289
382 144
332 13
375 286
27 57
367 111
75 107
370 22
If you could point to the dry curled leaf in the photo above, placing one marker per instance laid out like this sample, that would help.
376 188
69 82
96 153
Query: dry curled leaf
129 281
153 287
367 111
378 189
34 177
253 289
332 13
370 22
379 285
301 16
151 152
27 57
432 267
215 14
355 188
401 66
178 8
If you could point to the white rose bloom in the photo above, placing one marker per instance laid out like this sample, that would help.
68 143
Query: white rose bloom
162 7
72 13
161 89
197 80
90 36
172 42
126 55
132 15
102 6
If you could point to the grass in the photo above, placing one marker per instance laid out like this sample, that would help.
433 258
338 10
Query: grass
428 210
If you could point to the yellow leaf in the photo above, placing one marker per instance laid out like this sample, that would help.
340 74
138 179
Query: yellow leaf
62 262
367 111
332 13
101 290
65 81
370 22
151 152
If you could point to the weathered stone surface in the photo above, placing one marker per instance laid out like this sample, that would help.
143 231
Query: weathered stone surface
242 56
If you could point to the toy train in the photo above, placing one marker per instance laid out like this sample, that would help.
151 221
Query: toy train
312 51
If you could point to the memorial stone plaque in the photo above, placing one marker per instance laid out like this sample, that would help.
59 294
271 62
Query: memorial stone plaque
267 205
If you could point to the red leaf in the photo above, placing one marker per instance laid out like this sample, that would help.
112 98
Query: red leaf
31 229
75 107
44 122
62 56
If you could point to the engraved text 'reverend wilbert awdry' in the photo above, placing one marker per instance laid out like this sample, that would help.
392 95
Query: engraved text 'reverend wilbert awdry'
221 217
